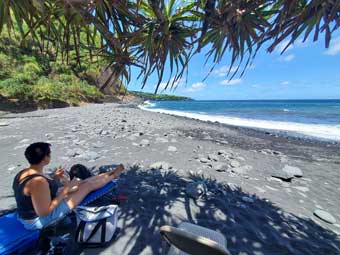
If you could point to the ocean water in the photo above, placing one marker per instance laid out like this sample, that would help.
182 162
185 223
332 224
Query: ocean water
318 119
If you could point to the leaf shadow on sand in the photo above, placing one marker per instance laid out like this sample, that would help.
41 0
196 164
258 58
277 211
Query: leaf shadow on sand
252 225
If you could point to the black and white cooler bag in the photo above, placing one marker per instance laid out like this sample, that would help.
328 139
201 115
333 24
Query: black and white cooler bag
96 225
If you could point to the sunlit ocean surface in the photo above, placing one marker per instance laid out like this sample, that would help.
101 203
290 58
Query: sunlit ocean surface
319 119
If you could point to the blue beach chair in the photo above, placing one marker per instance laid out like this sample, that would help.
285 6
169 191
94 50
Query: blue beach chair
14 238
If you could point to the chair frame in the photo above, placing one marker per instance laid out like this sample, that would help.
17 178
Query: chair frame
190 243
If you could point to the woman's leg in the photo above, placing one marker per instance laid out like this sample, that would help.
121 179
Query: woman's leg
91 184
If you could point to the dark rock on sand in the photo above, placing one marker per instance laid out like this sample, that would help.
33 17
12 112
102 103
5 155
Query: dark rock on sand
161 165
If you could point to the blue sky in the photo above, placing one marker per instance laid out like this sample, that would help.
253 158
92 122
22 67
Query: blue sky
305 71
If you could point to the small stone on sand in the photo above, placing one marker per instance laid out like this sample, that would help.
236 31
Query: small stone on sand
172 149
325 216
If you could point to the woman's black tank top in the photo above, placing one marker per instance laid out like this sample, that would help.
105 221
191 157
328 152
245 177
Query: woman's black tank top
24 203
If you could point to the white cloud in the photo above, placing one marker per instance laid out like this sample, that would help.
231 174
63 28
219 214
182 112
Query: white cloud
334 47
223 70
177 83
288 58
196 87
285 83
231 82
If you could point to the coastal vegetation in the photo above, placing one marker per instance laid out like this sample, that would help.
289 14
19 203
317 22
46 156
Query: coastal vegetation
158 97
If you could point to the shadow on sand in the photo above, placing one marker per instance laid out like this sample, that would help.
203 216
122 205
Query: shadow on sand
251 225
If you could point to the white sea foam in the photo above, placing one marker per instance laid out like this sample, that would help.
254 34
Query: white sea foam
147 103
320 131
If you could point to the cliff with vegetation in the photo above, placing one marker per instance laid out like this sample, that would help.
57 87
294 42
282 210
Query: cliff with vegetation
32 77
37 75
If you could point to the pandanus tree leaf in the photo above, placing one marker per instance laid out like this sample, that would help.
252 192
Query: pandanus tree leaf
159 35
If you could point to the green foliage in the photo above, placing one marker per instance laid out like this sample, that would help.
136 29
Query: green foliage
47 89
32 68
13 88
26 74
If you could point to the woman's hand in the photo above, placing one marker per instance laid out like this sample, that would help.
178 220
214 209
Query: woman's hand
71 186
61 175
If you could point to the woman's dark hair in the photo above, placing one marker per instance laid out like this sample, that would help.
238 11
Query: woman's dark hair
36 152
79 171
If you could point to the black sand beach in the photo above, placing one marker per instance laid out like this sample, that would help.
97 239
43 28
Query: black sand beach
263 190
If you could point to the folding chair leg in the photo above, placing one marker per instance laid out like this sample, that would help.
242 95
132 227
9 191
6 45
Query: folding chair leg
165 247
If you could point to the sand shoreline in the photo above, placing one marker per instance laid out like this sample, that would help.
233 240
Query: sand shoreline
258 213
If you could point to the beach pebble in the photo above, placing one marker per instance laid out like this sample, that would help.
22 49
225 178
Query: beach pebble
132 137
11 168
234 163
104 132
161 165
325 216
90 155
161 140
144 142
49 135
282 175
73 153
203 160
196 189
213 157
4 124
292 170
172 149
242 170
219 167
98 145
248 199
300 188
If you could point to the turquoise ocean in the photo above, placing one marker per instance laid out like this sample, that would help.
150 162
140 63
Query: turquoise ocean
313 119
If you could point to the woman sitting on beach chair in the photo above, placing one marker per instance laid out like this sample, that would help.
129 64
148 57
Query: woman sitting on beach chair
39 203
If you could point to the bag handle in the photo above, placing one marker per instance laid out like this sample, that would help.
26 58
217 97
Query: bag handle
80 231
101 223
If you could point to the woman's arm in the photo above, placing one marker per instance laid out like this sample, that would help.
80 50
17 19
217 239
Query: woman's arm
41 195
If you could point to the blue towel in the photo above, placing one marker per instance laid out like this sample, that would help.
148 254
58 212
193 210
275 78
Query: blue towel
15 238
